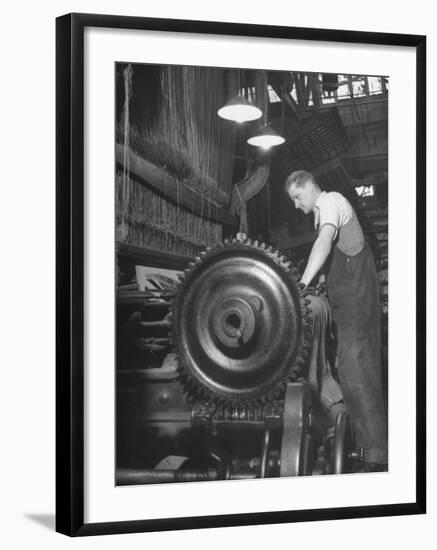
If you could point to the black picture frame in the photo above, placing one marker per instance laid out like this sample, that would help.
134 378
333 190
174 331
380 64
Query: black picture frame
70 273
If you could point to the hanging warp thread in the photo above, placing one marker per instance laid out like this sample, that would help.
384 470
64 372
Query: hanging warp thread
126 181
190 97
143 218
243 213
155 223
268 209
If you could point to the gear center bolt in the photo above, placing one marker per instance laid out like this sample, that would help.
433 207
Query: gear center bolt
234 321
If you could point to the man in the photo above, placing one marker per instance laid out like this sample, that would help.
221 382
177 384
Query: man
353 292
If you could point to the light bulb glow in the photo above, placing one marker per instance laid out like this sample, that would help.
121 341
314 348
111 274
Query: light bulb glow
239 110
266 141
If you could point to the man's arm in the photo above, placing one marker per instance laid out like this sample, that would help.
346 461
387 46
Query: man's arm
319 253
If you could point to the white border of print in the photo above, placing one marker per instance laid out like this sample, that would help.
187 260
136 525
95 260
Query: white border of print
105 502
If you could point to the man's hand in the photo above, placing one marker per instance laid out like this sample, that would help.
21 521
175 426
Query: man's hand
321 289
319 253
301 286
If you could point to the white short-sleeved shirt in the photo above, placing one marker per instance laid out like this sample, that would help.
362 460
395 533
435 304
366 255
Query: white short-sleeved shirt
334 209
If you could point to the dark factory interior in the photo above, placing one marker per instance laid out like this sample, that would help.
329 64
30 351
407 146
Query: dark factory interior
216 337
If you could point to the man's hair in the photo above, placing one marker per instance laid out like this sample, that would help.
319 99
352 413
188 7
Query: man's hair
299 178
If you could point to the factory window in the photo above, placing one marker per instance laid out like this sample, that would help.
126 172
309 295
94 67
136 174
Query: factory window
343 91
375 85
273 96
359 86
365 191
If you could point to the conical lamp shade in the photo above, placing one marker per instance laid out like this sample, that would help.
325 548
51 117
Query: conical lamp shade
239 109
265 138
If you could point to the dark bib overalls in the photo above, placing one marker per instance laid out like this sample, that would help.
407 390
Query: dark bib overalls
354 295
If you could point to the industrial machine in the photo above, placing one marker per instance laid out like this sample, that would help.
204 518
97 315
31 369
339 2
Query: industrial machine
224 394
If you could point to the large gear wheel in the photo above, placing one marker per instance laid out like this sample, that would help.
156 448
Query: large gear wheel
241 326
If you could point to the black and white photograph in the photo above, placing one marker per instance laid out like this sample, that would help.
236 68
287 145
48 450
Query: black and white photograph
217 284
251 278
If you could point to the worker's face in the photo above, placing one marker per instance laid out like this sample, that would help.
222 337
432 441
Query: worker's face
303 197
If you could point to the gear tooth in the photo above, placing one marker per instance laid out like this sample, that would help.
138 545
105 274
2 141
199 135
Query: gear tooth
226 241
203 253
249 242
256 243
197 259
306 345
234 241
181 277
307 323
191 265
263 246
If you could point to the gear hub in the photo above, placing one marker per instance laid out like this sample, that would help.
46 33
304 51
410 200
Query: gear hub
240 323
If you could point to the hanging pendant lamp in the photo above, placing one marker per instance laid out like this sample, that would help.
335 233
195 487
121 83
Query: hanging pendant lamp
239 109
266 137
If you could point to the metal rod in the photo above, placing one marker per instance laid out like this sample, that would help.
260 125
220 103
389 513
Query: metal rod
128 476
344 102
264 453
